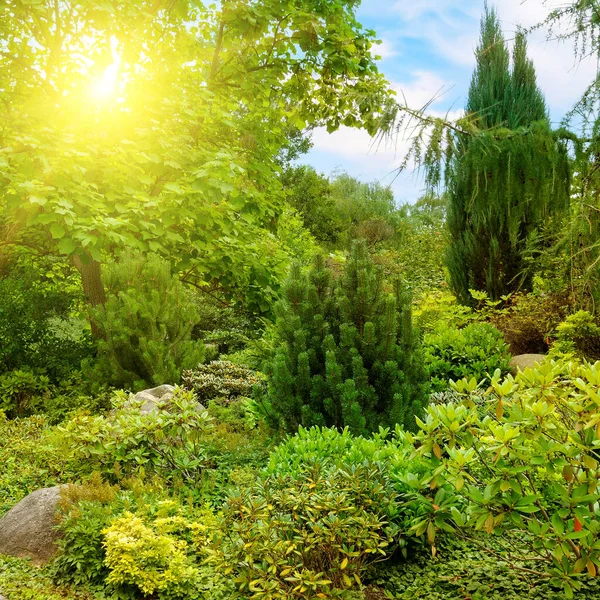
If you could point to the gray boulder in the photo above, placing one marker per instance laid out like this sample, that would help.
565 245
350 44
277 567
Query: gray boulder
27 530
525 361
154 399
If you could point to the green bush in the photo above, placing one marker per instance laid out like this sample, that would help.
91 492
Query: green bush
346 354
22 392
166 442
578 335
306 536
220 379
145 326
84 512
30 459
40 325
462 570
476 351
519 461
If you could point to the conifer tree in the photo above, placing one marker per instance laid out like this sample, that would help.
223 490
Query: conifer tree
503 194
347 356
145 324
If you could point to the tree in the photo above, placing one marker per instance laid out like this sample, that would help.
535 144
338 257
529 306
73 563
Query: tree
146 326
347 355
157 126
311 195
501 199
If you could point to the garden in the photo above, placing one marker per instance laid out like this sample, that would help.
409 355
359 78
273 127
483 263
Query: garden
227 375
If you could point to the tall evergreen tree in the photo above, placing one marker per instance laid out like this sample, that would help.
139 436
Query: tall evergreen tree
347 356
503 193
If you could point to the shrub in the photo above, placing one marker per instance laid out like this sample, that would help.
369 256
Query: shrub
520 460
346 355
145 326
579 334
476 351
84 512
529 321
220 379
167 443
305 536
30 459
40 325
138 555
22 392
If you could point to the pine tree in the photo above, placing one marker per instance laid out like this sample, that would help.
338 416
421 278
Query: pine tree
145 324
347 356
503 193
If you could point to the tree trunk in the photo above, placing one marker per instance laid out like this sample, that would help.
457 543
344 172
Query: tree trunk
93 288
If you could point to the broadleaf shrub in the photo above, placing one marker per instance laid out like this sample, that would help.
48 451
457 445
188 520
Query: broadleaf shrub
476 351
167 442
519 460
305 536
220 379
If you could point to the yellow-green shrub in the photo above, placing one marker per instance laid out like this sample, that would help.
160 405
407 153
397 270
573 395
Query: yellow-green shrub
141 556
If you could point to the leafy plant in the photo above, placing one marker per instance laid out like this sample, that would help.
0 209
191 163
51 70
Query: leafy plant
305 536
220 379
167 442
145 325
21 392
476 351
519 460
346 353
579 334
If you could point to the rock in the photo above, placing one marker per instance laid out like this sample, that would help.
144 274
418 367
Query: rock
27 530
524 361
155 399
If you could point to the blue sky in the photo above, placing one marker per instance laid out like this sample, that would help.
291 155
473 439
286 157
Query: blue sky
428 48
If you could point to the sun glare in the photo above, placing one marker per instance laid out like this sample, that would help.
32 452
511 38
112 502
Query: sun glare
105 87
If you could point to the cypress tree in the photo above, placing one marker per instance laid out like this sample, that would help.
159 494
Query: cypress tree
347 356
504 188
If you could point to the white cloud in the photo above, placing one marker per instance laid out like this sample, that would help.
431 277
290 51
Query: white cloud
386 49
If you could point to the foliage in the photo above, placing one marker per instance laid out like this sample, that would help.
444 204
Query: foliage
145 326
21 392
578 334
83 512
139 556
310 194
22 580
500 199
420 241
333 450
530 320
39 327
519 459
476 351
347 356
166 441
438 308
30 459
220 379
461 570
305 536
193 175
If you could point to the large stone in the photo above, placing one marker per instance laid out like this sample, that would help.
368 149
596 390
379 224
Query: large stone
28 529
154 399
525 361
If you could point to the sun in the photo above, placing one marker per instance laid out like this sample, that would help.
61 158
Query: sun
105 87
